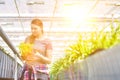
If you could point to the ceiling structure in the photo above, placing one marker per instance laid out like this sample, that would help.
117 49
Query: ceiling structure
56 8
15 17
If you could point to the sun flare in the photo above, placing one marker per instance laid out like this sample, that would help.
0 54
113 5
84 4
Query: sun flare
76 14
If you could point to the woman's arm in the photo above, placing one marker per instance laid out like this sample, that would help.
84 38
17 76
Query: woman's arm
44 59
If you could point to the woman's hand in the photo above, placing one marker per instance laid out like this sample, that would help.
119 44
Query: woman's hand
38 54
31 59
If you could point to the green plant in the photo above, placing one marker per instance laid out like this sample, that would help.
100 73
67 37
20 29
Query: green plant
85 45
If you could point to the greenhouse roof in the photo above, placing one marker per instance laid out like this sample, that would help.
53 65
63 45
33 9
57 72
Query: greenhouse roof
59 8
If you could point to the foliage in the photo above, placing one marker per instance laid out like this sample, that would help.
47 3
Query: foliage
85 45
25 49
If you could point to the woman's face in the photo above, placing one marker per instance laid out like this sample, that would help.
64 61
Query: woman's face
36 30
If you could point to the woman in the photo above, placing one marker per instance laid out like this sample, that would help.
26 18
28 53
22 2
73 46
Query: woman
36 63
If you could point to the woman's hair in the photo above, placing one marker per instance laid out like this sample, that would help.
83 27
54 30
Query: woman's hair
39 23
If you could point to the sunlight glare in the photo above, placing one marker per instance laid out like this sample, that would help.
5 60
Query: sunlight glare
76 13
